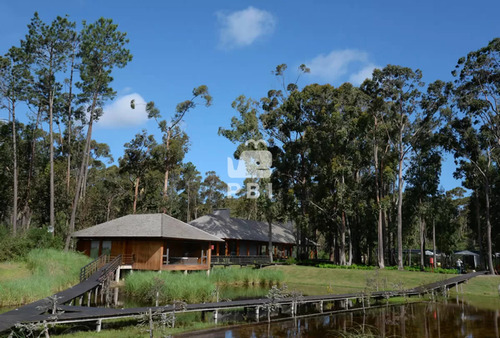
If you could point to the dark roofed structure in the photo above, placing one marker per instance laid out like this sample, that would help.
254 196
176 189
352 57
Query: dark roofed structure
245 237
146 225
150 242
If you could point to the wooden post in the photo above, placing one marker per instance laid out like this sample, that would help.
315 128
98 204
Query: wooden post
257 309
96 292
117 274
89 296
162 250
80 302
150 323
321 306
209 255
216 315
99 325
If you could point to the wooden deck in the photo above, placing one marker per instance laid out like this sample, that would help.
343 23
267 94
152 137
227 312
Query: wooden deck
73 314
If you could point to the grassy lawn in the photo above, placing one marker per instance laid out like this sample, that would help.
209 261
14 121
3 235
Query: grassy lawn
316 281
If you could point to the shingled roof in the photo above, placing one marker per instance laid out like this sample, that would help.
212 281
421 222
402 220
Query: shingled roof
146 226
221 225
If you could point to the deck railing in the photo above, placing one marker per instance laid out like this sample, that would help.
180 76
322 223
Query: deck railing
92 267
111 267
127 259
240 260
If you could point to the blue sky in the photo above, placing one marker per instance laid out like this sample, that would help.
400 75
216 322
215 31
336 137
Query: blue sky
232 47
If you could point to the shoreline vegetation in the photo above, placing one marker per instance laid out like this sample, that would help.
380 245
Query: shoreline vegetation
195 287
40 274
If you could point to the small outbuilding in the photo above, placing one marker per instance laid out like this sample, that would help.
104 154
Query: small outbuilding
245 237
149 242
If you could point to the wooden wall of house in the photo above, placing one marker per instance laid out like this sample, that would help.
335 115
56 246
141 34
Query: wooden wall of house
83 245
147 253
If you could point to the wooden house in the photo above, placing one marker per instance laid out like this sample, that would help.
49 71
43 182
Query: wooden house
149 242
245 237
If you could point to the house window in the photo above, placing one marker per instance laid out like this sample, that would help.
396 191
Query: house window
94 249
232 248
106 248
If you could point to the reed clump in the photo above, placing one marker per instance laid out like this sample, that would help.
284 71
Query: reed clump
51 271
195 287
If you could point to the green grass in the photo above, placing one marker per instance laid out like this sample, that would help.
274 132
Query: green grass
246 276
316 281
45 272
13 270
195 287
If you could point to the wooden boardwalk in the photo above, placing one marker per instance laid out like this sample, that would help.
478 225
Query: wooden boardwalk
73 314
34 312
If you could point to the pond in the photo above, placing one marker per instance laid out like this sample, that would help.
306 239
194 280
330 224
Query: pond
409 320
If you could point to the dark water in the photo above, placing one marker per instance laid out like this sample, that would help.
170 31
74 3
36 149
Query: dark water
409 320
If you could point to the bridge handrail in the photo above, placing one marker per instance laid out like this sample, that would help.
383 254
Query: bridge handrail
111 267
92 267
254 259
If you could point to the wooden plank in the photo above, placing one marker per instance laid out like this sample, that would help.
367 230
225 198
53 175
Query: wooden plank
147 254
182 267
209 254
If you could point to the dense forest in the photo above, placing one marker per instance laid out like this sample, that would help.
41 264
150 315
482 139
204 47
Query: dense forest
356 169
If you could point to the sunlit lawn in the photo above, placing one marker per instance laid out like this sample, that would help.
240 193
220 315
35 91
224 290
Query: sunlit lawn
314 281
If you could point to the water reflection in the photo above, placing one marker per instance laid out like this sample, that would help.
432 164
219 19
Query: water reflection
409 320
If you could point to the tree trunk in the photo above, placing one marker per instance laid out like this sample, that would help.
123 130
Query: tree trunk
86 154
108 211
165 183
479 228
422 242
491 268
342 258
51 146
27 219
136 193
434 241
380 232
14 163
349 262
400 202
70 107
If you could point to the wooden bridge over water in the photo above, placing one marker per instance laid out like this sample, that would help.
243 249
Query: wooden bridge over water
90 288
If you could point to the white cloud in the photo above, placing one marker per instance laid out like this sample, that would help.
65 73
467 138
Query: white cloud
365 73
242 28
119 114
338 64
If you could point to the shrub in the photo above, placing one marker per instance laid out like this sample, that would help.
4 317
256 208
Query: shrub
14 248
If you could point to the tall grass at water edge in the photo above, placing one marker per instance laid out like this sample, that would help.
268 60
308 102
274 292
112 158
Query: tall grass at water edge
51 271
195 287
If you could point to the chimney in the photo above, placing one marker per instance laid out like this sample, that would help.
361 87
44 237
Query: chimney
223 213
